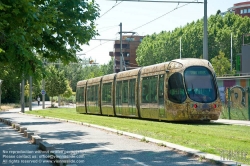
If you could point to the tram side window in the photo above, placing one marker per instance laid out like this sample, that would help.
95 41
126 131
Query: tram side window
161 89
106 93
95 97
125 91
176 91
132 91
89 93
149 89
92 93
118 92
80 94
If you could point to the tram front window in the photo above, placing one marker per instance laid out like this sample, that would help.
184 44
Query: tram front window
200 84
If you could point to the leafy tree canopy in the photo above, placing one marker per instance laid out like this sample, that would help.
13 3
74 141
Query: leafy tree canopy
55 82
221 65
54 29
165 46
68 93
81 71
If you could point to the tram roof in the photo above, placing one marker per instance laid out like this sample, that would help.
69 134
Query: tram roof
109 77
154 68
127 73
191 61
94 80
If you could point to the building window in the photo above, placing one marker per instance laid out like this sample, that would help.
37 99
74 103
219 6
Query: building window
241 11
245 11
248 10
130 39
125 46
126 54
127 63
117 46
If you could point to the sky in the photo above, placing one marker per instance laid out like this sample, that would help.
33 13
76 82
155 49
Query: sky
143 18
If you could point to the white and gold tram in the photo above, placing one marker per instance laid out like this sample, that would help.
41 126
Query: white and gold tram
178 90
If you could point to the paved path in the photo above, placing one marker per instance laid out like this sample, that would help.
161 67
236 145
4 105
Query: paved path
233 122
17 150
91 145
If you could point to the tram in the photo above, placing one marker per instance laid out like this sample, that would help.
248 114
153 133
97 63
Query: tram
177 90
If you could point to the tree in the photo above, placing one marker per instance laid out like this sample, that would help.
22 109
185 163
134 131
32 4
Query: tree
108 68
54 29
55 83
68 93
165 46
81 71
221 65
10 85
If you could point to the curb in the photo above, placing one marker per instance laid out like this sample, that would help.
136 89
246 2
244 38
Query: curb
44 146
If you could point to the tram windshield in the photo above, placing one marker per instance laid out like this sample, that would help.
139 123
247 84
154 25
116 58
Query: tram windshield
200 84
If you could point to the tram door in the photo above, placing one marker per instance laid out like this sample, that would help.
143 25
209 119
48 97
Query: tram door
125 108
131 97
118 98
161 96
92 100
80 100
125 98
152 97
149 107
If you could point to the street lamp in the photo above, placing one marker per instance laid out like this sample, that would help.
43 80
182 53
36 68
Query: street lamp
0 92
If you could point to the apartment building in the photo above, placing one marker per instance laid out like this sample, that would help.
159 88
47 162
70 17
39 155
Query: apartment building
242 8
129 45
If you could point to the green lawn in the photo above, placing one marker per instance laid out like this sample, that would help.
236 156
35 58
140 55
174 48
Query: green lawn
228 141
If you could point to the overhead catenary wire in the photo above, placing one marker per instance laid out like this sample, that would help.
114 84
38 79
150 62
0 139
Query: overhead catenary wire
107 40
163 15
108 29
116 4
187 3
158 1
97 46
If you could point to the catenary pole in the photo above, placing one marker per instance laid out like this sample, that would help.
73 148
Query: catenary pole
121 67
205 41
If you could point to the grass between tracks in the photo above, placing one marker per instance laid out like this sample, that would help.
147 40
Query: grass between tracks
228 141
